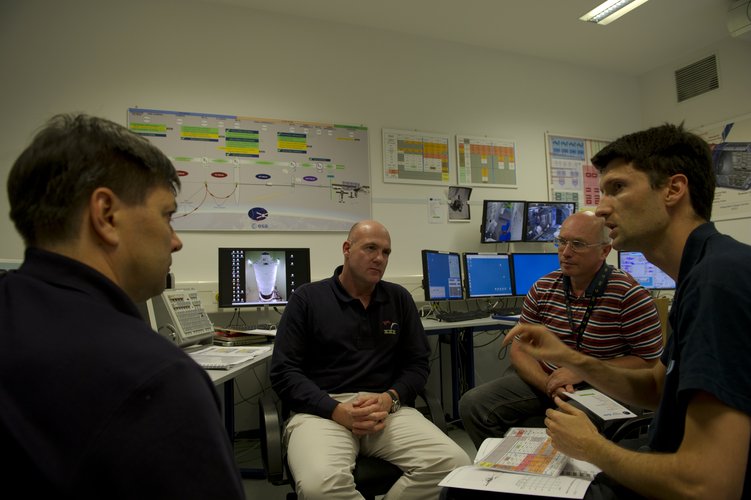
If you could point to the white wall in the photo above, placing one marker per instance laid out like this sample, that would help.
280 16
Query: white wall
101 58
731 100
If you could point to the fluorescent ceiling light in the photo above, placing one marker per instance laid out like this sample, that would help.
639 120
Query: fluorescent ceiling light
609 11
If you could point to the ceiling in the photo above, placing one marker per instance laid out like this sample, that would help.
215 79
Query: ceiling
659 33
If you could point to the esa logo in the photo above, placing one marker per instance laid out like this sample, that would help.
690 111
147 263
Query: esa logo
258 213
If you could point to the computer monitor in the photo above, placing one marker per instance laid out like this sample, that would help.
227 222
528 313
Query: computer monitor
10 264
529 267
543 219
253 277
441 275
502 221
487 275
647 274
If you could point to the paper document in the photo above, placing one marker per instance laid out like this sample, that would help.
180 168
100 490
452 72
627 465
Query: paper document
600 405
477 478
524 450
224 358
572 482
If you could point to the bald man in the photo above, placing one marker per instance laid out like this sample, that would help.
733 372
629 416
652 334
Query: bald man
350 356
591 307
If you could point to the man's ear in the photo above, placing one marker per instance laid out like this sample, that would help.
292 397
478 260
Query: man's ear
103 205
677 189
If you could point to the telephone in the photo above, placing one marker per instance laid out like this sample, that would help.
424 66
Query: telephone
179 316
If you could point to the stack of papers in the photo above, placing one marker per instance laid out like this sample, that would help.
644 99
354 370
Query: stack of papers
223 358
524 465
525 450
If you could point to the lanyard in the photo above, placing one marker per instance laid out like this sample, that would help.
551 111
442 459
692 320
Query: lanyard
600 282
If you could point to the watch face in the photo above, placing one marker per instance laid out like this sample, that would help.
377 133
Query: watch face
395 404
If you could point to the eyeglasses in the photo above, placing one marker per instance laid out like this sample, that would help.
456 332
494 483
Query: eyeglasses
576 245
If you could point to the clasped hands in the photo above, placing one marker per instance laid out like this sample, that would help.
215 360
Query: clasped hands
365 414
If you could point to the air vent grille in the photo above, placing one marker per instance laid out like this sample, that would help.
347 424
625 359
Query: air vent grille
697 78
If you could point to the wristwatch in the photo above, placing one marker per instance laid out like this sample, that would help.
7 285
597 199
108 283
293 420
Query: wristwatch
395 404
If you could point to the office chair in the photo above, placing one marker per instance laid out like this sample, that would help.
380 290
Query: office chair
373 476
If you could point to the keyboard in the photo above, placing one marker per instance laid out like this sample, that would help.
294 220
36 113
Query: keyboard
507 311
452 316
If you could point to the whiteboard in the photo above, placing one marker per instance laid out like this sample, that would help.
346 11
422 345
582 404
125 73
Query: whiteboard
257 174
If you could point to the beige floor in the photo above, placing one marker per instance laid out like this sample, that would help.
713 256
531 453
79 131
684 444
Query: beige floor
248 455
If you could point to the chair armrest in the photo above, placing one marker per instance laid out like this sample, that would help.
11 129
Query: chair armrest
435 410
630 426
271 439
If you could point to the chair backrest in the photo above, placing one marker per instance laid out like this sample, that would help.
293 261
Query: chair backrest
663 308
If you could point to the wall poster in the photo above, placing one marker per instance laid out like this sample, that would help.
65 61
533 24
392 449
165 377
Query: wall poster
484 161
571 175
257 174
414 157
730 142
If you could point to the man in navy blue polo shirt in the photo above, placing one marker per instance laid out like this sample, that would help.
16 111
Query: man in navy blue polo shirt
348 351
93 403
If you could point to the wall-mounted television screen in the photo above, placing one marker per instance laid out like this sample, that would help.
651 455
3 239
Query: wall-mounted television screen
441 275
487 275
252 277
529 267
502 221
647 274
543 219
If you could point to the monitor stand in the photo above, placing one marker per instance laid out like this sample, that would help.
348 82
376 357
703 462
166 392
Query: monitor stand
263 318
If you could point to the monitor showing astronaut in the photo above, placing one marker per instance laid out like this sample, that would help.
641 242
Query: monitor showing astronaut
252 277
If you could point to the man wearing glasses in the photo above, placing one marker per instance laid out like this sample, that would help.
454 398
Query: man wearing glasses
592 307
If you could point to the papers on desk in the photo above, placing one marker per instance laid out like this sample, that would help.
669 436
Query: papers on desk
571 481
223 358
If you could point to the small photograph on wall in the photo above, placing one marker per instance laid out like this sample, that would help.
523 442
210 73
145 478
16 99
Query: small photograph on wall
459 203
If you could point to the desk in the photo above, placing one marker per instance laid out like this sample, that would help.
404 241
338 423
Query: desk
462 335
225 378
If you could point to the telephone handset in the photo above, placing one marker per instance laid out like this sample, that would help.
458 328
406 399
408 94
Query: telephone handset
180 317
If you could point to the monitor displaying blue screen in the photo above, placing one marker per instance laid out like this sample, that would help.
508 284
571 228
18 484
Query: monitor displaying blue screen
647 274
543 219
529 267
487 275
441 275
502 221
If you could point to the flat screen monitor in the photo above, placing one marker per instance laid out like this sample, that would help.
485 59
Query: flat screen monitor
252 277
529 267
487 275
647 274
543 219
441 275
502 221
10 264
